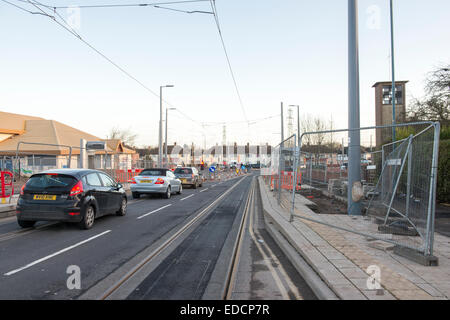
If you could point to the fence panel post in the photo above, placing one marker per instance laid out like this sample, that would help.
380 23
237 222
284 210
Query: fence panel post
433 185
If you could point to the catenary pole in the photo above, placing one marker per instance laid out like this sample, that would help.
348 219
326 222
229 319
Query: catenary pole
354 138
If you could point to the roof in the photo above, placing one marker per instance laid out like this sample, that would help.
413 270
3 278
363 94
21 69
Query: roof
117 145
388 83
46 132
38 130
14 123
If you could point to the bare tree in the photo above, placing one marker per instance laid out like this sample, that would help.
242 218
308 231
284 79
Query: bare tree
319 125
307 126
435 105
127 136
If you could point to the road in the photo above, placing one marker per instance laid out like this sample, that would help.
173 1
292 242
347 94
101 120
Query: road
162 249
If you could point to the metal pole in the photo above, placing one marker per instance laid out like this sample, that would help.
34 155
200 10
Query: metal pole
165 145
70 158
282 124
160 127
298 124
408 183
391 202
294 183
393 71
282 139
354 143
432 199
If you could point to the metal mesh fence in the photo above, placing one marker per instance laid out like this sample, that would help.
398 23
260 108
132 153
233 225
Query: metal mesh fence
398 182
404 198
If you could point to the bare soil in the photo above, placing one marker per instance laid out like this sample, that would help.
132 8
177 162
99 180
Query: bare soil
324 204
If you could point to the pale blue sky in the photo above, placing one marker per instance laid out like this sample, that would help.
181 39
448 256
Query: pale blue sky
287 50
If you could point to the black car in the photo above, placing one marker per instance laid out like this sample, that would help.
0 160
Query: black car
70 195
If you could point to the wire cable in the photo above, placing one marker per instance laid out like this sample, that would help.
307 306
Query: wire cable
117 5
216 18
95 49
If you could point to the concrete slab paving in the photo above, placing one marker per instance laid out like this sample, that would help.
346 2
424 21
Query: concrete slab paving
341 258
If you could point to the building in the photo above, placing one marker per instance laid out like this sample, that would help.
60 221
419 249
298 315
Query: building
383 108
192 155
45 144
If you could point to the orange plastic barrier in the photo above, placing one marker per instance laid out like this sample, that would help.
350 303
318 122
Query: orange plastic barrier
126 175
287 180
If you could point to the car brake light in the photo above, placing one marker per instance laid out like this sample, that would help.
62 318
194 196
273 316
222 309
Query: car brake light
159 181
193 176
21 190
77 189
133 181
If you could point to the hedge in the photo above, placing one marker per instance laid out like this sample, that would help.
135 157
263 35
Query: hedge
443 181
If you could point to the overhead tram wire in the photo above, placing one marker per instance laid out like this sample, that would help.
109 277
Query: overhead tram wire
23 9
117 5
67 27
93 48
216 18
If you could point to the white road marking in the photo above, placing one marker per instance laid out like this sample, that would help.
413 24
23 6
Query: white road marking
204 190
187 197
147 214
55 254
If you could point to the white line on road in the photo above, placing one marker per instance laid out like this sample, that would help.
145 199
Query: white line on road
187 197
204 190
55 254
147 214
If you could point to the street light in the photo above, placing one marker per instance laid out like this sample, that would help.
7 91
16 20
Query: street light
165 147
160 122
393 73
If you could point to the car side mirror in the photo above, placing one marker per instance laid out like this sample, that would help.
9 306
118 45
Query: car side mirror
119 186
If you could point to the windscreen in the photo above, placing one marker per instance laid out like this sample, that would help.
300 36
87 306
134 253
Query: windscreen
183 171
54 182
153 172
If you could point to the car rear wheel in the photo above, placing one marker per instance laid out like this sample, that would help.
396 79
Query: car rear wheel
123 208
26 224
88 218
135 195
167 194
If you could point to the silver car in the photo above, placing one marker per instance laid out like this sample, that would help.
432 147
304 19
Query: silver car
160 181
189 176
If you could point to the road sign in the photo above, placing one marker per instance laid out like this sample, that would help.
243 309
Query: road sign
95 145
212 169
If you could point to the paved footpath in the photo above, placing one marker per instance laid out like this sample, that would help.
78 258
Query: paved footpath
341 258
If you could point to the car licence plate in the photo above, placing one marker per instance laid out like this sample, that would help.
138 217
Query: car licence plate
146 181
44 197
183 180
